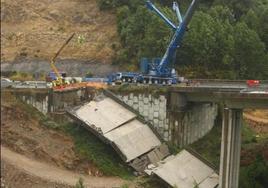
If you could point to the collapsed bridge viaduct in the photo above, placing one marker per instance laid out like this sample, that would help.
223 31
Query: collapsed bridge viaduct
177 101
234 97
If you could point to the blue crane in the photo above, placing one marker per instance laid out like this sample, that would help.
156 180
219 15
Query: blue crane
160 71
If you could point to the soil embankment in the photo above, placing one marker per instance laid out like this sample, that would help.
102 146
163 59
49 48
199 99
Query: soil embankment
25 135
36 29
33 155
23 169
257 120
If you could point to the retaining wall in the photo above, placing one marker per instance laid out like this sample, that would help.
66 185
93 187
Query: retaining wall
178 127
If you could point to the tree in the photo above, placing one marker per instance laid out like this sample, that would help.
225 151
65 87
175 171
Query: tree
208 46
257 19
250 60
255 175
218 44
239 7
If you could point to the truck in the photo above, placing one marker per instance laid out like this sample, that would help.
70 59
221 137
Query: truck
160 70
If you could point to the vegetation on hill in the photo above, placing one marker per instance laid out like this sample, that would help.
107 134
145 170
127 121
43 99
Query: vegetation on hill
226 38
253 163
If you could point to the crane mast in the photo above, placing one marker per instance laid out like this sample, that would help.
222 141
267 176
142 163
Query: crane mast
162 68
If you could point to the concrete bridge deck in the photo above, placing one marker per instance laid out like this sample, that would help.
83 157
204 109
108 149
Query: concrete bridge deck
231 97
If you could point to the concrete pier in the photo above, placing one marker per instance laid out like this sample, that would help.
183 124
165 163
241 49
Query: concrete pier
230 148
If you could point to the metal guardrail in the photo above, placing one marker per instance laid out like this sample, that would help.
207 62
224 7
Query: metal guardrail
224 81
210 84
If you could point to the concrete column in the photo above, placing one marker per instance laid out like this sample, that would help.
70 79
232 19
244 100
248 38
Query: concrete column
50 101
230 148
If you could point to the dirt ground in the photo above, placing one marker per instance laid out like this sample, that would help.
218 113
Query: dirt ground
33 155
26 136
36 29
11 176
257 120
20 171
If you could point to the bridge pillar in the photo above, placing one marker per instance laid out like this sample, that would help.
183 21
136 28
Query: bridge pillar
230 148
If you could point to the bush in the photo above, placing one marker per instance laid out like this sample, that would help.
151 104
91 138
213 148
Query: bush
254 175
89 74
80 183
92 148
107 4
21 76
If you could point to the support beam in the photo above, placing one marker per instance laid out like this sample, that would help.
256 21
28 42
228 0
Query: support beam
151 7
230 148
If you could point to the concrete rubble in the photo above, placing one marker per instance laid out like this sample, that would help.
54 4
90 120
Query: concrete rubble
185 171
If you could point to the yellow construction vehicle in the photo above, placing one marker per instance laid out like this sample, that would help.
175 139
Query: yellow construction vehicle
56 77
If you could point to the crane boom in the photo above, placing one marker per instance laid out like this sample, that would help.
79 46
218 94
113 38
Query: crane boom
62 47
52 61
151 7
170 53
177 10
176 40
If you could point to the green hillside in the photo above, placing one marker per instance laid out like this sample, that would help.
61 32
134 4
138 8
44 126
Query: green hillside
226 38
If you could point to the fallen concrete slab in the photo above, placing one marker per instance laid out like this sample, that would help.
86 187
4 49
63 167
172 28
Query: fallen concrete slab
185 171
104 114
133 139
117 126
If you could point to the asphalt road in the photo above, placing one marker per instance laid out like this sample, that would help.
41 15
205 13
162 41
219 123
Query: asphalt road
25 84
239 86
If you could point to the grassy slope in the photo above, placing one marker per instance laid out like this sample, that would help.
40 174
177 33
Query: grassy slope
102 155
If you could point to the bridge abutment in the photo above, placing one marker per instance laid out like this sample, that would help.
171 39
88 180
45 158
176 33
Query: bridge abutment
49 101
230 148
